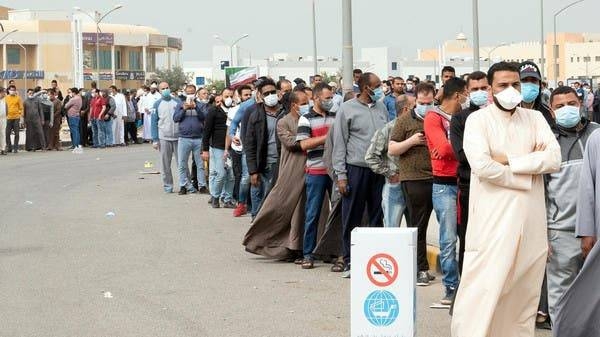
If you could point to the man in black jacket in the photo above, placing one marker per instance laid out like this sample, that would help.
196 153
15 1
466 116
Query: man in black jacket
478 87
260 142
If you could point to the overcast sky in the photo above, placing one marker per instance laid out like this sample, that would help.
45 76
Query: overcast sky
285 25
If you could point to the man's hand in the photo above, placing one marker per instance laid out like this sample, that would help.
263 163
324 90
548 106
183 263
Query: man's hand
395 179
539 147
205 155
435 154
236 140
225 155
189 105
343 187
587 243
255 180
417 139
156 145
500 158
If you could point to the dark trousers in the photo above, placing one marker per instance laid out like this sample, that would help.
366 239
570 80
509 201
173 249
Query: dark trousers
12 125
83 130
419 206
236 165
130 132
463 218
365 191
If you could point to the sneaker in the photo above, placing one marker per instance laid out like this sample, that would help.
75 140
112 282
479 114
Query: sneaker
346 272
230 205
422 279
240 210
216 203
430 276
203 190
3 153
210 201
449 297
182 190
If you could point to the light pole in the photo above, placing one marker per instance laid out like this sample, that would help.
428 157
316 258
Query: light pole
476 65
347 49
8 33
314 24
542 38
489 53
4 45
555 47
97 18
25 52
217 37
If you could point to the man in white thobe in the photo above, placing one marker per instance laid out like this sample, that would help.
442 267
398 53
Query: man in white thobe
120 113
509 149
148 109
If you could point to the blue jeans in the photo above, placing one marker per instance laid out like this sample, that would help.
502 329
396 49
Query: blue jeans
257 193
245 182
393 204
108 133
316 186
220 179
74 128
98 133
444 204
186 146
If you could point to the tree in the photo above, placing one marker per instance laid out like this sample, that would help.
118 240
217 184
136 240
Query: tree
331 77
174 76
218 85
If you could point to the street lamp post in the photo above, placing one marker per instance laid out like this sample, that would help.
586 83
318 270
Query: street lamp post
24 52
555 47
217 37
97 18
489 53
4 45
542 38
347 48
476 64
314 26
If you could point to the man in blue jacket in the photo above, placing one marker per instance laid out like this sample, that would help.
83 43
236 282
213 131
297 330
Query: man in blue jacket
190 115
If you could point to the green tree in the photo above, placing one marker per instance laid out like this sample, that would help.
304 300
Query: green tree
175 76
331 77
218 85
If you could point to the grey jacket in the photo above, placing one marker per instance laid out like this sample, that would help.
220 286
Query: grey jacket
354 127
562 187
377 157
588 202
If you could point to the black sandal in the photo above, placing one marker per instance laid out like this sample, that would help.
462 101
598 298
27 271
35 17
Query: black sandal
338 266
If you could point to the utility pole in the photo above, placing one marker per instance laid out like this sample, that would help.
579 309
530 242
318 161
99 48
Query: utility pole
347 49
475 36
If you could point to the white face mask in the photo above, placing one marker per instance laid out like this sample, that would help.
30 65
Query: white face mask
509 98
228 102
466 104
12 92
271 100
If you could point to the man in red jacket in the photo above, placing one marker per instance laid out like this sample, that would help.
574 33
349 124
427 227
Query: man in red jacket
444 168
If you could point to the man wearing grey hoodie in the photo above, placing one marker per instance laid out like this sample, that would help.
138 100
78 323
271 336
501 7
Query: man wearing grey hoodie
165 132
355 124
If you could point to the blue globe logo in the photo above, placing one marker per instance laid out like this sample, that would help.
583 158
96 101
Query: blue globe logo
381 308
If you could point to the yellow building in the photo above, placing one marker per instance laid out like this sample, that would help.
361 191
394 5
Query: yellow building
41 46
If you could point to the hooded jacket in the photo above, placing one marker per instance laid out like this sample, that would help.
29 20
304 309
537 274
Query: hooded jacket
562 188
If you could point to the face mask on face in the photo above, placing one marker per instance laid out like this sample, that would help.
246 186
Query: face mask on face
529 91
479 97
327 104
166 93
421 109
228 102
12 92
311 103
508 98
271 100
29 96
377 94
567 116
409 87
303 109
466 104
205 101
94 94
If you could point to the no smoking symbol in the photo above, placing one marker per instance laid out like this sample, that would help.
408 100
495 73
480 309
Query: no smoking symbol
382 270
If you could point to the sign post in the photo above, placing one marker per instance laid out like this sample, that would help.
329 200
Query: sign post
383 282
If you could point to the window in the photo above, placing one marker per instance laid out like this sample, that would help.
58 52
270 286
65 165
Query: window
597 58
150 61
105 59
577 58
587 59
394 65
118 59
135 60
571 59
13 55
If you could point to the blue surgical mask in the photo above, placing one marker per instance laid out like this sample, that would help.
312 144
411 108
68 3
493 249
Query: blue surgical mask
421 109
166 93
377 94
303 109
568 116
529 91
479 97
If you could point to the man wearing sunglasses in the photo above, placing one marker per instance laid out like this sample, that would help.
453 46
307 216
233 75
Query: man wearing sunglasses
260 142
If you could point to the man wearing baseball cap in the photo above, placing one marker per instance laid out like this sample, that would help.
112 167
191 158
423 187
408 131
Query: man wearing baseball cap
531 87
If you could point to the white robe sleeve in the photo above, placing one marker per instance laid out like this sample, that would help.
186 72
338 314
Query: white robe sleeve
539 162
585 224
477 150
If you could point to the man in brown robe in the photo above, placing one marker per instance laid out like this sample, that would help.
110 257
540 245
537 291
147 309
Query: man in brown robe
278 227
54 137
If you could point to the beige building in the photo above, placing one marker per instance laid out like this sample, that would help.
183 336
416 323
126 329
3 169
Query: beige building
54 45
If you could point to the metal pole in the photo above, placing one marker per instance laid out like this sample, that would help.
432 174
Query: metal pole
231 55
25 74
542 70
475 36
554 54
314 24
347 49
98 51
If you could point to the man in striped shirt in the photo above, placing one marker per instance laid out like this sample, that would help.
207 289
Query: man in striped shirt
312 131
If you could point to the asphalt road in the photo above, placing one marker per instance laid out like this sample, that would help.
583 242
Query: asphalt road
163 265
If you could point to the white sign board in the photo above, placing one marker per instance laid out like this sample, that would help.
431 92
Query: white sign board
384 267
